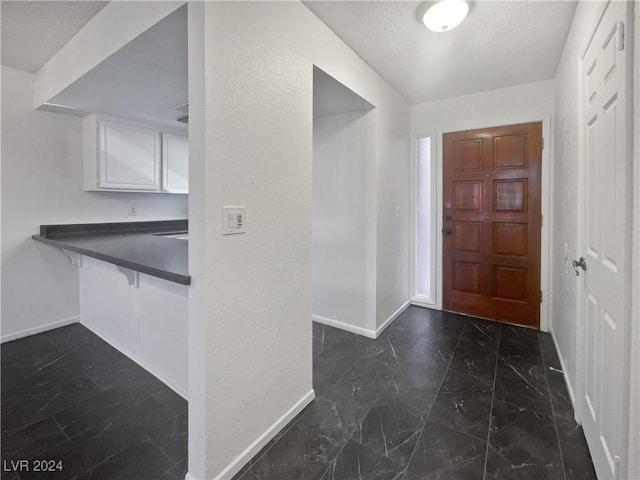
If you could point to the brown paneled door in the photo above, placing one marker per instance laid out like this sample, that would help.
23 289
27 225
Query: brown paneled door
492 222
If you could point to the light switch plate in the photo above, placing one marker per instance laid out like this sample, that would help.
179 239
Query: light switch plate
233 220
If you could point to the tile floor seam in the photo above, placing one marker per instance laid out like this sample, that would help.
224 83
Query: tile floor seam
366 344
403 402
355 429
38 453
352 433
93 467
58 425
415 339
341 375
458 431
52 362
553 411
85 430
372 450
161 451
435 398
470 375
526 409
383 390
493 396
71 377
325 348
406 404
254 460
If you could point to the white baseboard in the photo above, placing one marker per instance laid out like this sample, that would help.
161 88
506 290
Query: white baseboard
344 326
393 316
365 332
240 461
142 363
422 302
42 328
564 373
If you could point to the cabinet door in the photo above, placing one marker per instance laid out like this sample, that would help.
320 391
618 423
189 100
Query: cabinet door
175 164
129 157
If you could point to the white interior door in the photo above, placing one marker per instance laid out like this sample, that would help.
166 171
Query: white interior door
603 382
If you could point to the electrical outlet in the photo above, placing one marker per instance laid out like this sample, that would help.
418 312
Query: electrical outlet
397 211
133 210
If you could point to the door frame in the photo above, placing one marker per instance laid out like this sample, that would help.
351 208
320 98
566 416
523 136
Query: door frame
431 300
633 464
632 372
546 208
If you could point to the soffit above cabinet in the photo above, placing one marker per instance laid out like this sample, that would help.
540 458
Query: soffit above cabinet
145 81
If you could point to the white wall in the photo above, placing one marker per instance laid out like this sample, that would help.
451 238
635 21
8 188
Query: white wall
146 320
251 308
393 177
344 229
42 184
503 106
566 183
531 102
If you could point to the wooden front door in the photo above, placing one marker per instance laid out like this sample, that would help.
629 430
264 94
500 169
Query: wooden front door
492 223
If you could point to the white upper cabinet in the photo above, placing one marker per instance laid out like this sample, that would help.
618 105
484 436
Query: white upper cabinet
125 156
175 163
128 157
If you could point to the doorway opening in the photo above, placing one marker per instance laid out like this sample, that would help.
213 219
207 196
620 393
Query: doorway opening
344 199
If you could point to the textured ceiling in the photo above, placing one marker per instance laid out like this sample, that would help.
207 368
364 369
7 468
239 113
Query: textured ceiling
500 43
33 31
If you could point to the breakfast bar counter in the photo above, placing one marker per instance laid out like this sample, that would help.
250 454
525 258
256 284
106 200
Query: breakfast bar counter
157 248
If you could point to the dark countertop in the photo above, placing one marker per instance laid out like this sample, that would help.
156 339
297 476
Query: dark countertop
129 244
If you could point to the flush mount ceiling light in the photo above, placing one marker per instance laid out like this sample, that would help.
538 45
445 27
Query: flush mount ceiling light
445 15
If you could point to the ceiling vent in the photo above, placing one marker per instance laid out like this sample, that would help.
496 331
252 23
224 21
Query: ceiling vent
183 111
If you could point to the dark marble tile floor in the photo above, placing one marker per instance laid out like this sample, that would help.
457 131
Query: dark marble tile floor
437 396
70 397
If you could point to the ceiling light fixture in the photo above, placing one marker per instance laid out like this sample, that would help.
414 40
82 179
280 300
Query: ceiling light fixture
445 15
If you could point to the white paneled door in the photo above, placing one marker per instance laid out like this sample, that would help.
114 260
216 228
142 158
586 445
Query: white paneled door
605 294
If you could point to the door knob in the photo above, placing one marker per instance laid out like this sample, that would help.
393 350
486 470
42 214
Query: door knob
447 231
582 263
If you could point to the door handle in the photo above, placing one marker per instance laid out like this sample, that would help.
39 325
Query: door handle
582 263
447 232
